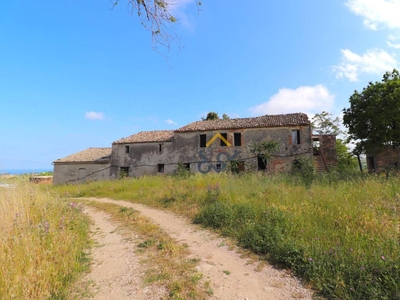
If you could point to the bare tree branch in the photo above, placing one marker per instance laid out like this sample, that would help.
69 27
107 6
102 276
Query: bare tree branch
157 16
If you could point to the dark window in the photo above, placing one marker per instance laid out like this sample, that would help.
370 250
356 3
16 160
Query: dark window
160 148
218 166
261 163
225 136
187 166
123 172
237 167
237 139
126 149
371 163
160 168
296 137
203 140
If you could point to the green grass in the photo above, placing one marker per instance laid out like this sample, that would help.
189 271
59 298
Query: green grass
341 236
43 243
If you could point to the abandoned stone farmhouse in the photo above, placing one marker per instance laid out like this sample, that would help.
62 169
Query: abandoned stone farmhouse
202 146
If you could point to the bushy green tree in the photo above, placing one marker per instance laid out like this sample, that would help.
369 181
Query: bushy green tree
211 116
346 160
373 118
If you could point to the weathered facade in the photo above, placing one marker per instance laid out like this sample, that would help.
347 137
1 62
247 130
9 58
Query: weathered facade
325 155
384 159
211 146
202 146
87 165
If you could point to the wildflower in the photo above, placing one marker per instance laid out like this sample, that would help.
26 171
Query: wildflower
362 268
46 226
383 257
310 259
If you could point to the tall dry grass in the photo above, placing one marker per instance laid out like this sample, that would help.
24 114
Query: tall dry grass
342 236
42 243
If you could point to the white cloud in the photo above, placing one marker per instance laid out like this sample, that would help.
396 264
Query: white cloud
91 115
374 61
394 41
169 121
177 9
377 13
308 99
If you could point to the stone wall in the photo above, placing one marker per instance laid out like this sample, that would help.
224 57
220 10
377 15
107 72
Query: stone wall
384 160
146 158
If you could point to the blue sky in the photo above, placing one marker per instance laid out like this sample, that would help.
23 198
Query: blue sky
76 74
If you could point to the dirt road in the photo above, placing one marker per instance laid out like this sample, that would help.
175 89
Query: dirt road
116 272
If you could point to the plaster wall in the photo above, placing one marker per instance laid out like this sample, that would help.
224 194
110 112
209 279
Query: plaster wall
144 158
80 172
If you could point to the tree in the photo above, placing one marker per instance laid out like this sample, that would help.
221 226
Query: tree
156 16
211 116
373 119
324 123
346 160
225 117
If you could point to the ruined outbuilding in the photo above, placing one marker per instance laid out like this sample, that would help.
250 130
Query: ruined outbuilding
86 165
383 159
202 146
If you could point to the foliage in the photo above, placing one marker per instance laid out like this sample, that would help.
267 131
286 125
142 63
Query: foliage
346 160
182 171
264 149
304 167
211 116
340 236
324 123
214 116
157 16
373 119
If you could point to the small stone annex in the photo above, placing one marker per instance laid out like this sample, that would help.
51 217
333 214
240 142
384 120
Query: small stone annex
201 146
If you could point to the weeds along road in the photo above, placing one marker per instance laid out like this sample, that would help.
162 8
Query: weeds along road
115 273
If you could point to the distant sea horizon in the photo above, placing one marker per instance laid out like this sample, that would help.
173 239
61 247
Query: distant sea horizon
24 171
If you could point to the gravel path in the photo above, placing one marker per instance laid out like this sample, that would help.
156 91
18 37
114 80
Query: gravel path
116 272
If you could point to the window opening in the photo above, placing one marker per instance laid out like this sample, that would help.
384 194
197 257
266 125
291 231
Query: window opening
225 136
126 149
187 166
203 140
261 163
218 166
296 137
237 166
237 139
160 146
160 168
123 172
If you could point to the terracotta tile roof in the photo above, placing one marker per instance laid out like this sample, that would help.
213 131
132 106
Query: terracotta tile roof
148 137
256 122
88 155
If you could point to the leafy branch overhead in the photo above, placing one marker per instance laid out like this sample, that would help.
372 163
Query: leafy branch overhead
158 16
373 118
325 123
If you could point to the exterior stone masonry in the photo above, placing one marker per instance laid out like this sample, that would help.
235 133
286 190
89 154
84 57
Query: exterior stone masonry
201 146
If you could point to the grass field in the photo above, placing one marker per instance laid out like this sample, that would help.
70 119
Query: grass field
43 242
341 236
